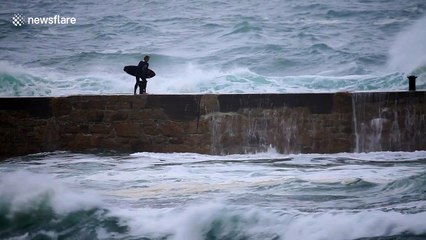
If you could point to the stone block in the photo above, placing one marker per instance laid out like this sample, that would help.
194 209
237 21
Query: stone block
342 102
83 128
116 116
81 141
68 127
119 105
33 107
197 126
61 106
159 139
78 116
138 102
139 115
171 128
100 128
176 107
176 140
95 116
126 129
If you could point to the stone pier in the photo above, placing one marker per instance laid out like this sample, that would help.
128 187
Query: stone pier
215 124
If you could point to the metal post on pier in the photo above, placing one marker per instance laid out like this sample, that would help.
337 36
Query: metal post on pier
412 83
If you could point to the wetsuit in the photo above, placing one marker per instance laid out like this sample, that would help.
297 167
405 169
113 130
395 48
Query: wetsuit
141 78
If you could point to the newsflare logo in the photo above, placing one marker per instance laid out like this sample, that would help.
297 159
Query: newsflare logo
19 20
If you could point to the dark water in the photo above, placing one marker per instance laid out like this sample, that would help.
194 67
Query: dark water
61 195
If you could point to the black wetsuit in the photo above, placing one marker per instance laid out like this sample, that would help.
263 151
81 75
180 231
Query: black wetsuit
141 79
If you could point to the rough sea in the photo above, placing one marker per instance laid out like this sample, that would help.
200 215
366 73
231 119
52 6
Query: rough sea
213 46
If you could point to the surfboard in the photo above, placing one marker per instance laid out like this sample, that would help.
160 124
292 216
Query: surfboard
135 71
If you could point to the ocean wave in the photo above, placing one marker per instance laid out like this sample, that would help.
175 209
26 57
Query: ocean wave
194 196
41 223
41 189
30 85
18 80
407 186
224 221
180 78
40 206
23 85
244 27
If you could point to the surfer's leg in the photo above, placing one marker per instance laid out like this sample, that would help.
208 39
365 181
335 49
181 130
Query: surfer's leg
142 87
136 85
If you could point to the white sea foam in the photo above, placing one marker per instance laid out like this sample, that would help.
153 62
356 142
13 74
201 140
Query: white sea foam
354 225
25 190
181 174
187 78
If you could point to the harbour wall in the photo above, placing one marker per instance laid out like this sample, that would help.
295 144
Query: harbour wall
215 123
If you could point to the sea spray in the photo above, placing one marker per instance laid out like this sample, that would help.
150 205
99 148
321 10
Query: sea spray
407 51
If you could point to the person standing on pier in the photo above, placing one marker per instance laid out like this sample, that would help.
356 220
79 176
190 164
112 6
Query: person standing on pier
141 78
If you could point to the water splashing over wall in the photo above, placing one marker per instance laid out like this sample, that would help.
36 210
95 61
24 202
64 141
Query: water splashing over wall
292 123
389 121
256 130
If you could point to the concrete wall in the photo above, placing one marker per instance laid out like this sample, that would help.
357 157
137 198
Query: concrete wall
215 124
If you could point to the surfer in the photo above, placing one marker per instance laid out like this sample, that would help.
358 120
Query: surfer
141 78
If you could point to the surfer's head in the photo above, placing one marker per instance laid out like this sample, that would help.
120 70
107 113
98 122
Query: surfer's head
146 58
